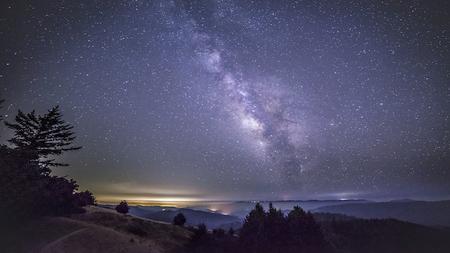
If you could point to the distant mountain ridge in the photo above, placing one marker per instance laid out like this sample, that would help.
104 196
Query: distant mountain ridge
193 217
431 213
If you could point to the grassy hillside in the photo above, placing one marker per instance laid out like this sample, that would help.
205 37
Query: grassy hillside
104 230
97 230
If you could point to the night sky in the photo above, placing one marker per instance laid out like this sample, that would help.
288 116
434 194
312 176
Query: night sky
239 100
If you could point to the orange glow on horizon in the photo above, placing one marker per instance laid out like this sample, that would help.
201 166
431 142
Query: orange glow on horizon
149 201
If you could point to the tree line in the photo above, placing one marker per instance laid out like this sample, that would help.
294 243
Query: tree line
264 232
27 187
29 190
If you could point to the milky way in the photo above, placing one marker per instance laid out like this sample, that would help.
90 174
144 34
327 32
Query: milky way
192 100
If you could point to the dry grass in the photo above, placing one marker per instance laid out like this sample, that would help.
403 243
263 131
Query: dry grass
97 230
165 236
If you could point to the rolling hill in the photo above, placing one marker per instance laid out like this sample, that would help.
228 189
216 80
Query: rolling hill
430 213
97 230
193 217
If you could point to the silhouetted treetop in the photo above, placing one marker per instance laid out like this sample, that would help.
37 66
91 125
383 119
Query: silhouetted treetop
271 231
296 213
85 198
44 136
27 189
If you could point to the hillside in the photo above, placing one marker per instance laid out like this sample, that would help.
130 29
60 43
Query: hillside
342 234
211 219
97 230
431 213
104 230
195 217
387 235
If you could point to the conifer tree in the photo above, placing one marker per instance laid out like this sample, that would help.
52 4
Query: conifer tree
43 136
27 189
304 232
252 232
274 229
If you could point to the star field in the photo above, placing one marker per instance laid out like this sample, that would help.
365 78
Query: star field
197 100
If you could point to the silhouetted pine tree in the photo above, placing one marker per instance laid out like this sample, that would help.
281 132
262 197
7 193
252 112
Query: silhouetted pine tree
272 232
275 230
252 232
43 136
304 232
27 189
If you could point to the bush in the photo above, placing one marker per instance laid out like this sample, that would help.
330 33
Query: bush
219 232
59 196
85 198
216 242
201 229
27 192
122 207
179 220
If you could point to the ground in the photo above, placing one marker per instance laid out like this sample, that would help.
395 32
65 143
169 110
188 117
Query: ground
97 230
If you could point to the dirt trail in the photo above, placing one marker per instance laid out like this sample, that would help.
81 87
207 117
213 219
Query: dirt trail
61 239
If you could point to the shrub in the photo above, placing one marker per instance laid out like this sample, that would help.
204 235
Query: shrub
179 220
201 229
219 232
122 207
84 198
